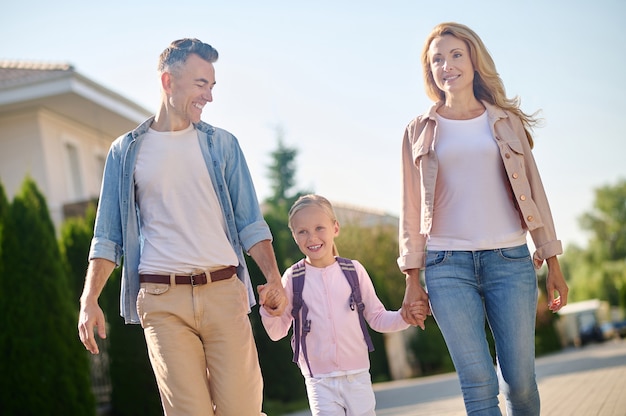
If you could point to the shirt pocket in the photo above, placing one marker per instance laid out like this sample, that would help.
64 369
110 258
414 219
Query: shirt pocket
515 146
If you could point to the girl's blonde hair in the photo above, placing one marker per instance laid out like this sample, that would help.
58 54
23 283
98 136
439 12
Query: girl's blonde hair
488 85
317 201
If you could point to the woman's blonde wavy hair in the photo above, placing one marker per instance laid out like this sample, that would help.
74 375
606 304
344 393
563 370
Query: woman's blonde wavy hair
488 85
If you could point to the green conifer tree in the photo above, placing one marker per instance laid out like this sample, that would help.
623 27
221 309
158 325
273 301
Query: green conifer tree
44 368
4 208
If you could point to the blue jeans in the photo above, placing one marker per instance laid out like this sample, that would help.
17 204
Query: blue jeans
467 287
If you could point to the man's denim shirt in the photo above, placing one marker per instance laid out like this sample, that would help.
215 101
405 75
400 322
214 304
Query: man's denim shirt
117 232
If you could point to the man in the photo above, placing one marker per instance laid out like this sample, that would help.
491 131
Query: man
178 202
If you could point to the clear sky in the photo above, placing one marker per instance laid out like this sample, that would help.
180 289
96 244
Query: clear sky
341 79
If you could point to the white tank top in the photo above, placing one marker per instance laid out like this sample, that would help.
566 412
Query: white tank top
474 209
182 224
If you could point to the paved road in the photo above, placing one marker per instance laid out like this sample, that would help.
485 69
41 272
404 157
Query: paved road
588 381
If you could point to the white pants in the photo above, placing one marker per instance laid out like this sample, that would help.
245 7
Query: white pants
350 395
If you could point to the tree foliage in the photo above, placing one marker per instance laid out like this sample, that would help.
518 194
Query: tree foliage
282 172
44 368
599 270
4 209
607 223
376 247
75 239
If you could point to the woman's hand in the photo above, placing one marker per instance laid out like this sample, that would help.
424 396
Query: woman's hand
415 300
555 282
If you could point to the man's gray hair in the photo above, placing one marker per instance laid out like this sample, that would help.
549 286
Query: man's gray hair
177 53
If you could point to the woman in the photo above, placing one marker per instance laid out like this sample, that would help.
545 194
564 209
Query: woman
471 192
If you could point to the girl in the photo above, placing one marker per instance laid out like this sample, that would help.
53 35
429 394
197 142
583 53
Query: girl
336 366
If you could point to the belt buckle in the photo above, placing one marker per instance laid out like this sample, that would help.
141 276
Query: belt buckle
193 282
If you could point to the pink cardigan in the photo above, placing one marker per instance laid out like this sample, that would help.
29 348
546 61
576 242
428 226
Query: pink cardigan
335 344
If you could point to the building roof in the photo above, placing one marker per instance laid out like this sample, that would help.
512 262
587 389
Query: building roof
58 87
16 73
366 217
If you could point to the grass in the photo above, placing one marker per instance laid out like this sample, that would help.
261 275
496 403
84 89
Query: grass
276 408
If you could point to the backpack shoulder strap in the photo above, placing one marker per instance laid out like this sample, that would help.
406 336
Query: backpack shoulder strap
347 266
299 312
297 281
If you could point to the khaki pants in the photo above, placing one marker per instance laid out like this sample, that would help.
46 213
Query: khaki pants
201 348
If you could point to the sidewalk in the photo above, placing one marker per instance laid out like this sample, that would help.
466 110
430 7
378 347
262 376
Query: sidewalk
588 381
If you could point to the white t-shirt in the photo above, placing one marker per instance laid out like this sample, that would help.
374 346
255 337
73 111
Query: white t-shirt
182 225
474 209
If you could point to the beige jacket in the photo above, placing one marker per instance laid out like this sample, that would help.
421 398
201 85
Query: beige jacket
419 174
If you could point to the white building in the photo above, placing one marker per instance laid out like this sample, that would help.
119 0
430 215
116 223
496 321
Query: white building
56 126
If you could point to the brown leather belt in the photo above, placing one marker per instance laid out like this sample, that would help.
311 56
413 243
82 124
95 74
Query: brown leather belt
186 279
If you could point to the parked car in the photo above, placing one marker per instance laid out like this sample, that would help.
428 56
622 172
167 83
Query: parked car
591 333
612 330
608 331
620 328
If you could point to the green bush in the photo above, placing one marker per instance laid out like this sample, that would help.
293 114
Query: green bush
44 368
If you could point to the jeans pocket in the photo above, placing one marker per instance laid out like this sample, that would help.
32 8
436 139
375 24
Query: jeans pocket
434 258
519 253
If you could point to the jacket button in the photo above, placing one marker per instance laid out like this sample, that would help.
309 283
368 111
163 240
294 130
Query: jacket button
530 218
507 155
515 175
523 197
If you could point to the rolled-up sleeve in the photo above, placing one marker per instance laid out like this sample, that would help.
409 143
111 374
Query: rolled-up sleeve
411 242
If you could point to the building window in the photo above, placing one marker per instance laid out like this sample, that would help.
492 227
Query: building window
100 161
74 178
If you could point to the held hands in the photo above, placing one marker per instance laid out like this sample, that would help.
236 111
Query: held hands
272 297
418 311
415 306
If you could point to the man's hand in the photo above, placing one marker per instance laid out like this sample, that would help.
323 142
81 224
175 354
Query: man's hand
91 317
